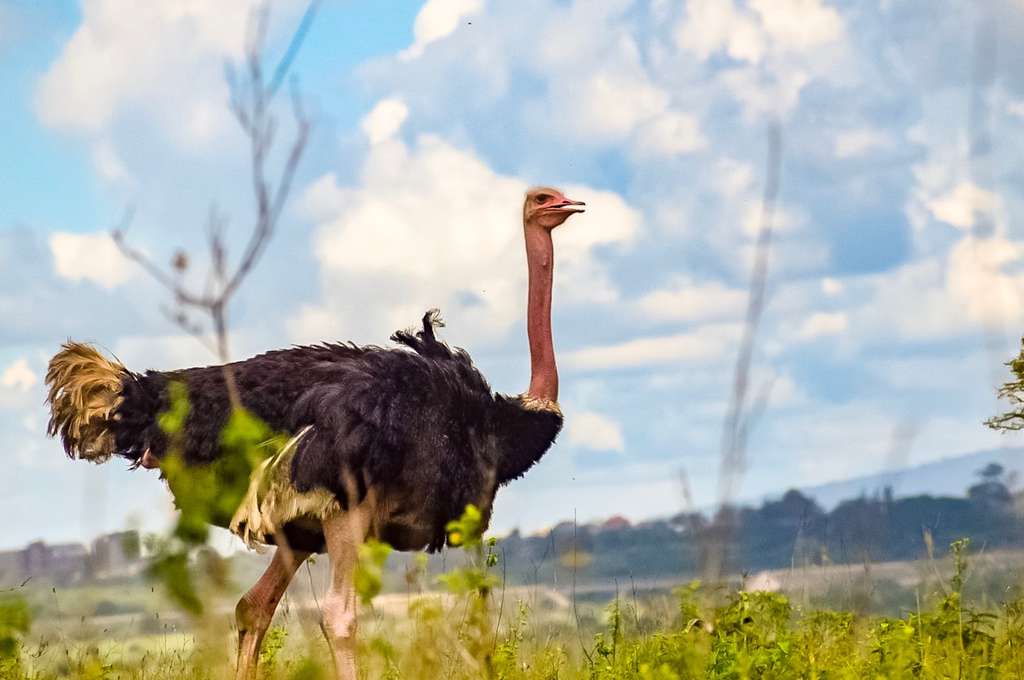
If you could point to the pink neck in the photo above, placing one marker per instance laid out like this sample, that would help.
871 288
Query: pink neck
540 254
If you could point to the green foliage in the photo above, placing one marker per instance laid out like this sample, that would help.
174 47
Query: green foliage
172 421
607 642
309 669
506 654
751 637
204 495
476 577
689 604
14 623
369 574
467 530
273 643
171 568
1013 392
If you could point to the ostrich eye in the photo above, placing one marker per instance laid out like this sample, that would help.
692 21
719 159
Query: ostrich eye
542 198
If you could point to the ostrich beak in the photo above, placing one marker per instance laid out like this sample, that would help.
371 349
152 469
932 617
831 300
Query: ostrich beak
149 461
569 206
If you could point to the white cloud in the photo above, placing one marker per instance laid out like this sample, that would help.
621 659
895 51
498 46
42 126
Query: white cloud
17 395
785 392
597 83
670 134
977 279
108 163
977 282
907 303
798 25
831 286
963 204
314 322
717 25
771 92
821 324
707 343
784 220
769 26
89 257
433 226
779 47
384 120
590 430
162 57
733 178
18 376
1015 108
602 89
620 103
858 142
688 300
613 104
438 19
165 352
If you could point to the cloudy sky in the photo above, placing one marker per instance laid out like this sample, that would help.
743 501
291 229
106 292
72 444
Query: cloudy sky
896 279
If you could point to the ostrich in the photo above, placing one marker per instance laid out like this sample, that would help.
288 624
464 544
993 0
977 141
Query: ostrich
384 443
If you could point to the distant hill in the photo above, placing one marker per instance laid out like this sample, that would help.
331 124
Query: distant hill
945 477
889 516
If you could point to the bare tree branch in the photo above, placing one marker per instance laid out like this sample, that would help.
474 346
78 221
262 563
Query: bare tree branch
250 100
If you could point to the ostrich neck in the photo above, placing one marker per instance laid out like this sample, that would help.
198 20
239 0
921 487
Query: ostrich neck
540 261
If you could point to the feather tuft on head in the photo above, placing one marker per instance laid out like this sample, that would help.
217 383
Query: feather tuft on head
84 390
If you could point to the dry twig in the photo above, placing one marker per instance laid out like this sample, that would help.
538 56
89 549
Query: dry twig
251 102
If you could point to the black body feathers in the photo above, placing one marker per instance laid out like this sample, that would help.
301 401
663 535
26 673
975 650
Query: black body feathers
421 427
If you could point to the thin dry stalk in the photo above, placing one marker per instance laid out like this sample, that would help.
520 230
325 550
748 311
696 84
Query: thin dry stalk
744 412
575 611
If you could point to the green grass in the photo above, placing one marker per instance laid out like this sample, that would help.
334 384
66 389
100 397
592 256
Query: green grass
474 630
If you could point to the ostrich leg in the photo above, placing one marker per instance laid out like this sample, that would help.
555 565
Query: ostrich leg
344 533
255 610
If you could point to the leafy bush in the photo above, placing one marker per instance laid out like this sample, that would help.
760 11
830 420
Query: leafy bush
14 623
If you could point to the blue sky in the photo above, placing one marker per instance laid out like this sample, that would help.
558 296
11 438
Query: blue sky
897 286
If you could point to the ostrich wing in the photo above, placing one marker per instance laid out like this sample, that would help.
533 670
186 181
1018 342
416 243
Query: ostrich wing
414 426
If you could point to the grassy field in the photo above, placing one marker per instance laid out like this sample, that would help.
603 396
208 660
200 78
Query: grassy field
964 622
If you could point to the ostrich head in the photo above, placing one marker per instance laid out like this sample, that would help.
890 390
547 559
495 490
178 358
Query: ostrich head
548 208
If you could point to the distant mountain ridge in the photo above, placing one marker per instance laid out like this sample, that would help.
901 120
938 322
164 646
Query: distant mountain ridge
944 477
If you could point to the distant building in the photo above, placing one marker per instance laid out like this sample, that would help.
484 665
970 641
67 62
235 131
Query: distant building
62 563
116 555
615 523
10 567
112 556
